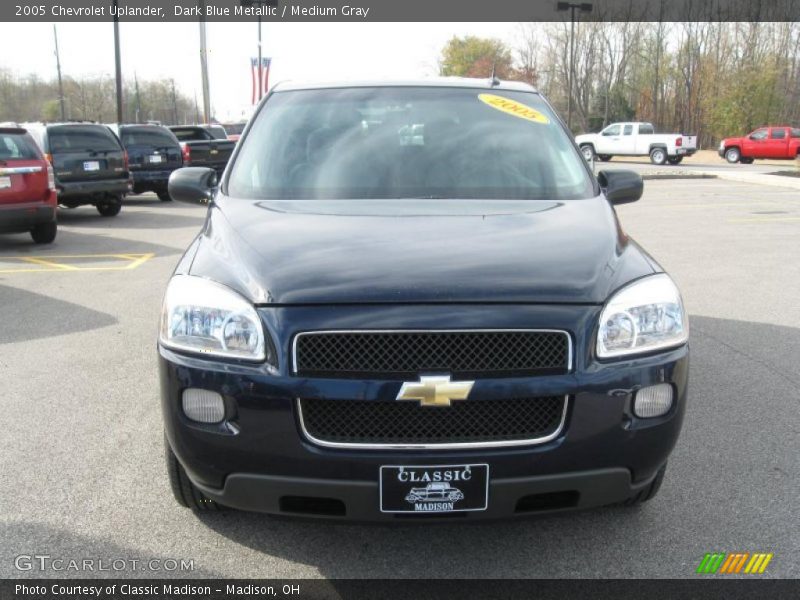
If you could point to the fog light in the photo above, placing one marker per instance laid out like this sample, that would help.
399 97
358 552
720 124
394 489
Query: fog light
203 406
653 401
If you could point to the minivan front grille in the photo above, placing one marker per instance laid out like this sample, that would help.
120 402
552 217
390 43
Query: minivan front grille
512 421
403 354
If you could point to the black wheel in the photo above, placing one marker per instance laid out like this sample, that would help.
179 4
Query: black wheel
109 208
649 492
658 156
675 160
185 492
44 233
746 161
732 155
588 152
605 157
164 196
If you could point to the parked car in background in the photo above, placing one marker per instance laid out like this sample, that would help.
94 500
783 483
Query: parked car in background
637 139
204 146
234 130
27 187
153 154
781 143
90 164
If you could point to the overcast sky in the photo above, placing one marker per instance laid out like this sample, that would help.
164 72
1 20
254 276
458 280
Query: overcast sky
318 51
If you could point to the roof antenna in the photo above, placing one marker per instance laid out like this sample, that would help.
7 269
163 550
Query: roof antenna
494 81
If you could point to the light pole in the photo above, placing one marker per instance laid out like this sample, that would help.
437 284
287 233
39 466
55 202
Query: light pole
204 66
117 63
60 83
572 7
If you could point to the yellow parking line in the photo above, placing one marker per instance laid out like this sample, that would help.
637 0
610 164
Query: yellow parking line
118 255
765 220
47 263
142 259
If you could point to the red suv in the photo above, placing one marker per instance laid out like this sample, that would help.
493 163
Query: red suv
28 195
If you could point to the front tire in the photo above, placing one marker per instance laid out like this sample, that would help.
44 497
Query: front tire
185 492
588 152
658 156
732 155
44 233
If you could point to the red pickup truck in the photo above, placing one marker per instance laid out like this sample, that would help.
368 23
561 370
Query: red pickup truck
765 142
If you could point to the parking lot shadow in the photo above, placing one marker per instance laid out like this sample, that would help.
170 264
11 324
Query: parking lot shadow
71 242
46 316
743 373
136 214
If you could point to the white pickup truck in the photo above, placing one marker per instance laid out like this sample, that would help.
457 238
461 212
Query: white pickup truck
636 139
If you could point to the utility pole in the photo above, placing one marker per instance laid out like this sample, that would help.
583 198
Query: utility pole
174 103
572 7
60 83
117 63
204 64
196 109
138 97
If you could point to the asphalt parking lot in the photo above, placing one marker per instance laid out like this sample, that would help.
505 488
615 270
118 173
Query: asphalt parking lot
81 454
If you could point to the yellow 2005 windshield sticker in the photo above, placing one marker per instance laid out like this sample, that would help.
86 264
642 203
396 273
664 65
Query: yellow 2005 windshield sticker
514 108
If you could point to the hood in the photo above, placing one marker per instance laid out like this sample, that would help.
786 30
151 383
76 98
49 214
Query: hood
424 251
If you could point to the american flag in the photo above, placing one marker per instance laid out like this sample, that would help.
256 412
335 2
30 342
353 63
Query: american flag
265 63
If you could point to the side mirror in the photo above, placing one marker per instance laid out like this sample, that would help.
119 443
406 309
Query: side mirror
621 187
195 185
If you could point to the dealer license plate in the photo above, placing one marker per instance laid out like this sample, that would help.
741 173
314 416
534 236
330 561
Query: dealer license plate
434 489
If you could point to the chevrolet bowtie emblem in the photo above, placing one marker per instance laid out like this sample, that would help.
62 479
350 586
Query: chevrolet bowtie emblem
435 390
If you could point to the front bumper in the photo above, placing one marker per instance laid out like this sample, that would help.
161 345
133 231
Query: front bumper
258 459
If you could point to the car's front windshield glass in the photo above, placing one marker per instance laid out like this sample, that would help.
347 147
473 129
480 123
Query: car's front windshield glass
408 142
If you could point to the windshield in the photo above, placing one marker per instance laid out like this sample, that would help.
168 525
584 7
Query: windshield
82 138
17 146
147 136
234 128
404 142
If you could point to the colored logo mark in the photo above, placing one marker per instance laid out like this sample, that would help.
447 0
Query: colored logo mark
734 563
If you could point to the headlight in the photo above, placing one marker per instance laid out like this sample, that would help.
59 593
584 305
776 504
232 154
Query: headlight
644 316
204 317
